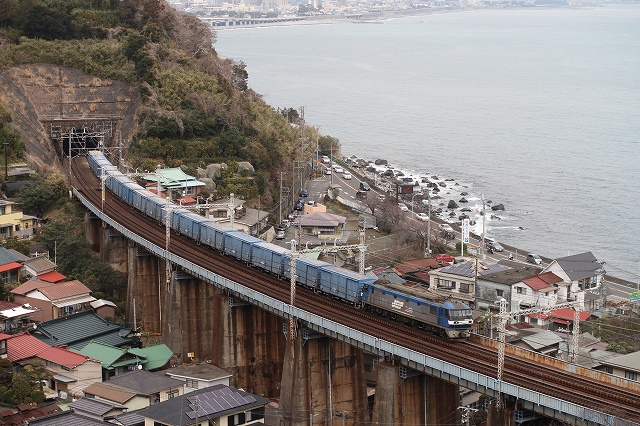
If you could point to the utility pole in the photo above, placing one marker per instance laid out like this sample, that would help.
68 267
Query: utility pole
482 247
428 249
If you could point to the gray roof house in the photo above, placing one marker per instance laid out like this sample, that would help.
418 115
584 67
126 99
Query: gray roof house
154 387
218 405
96 409
627 366
65 418
493 286
199 376
579 272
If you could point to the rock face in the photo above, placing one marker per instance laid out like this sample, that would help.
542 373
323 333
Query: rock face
452 205
245 168
214 171
498 207
381 162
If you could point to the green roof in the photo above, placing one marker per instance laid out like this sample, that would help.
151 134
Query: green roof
174 178
157 356
109 355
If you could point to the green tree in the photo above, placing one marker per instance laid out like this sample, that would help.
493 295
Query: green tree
22 246
6 372
39 197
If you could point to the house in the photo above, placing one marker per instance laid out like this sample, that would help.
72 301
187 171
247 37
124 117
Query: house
558 319
96 409
580 273
105 391
220 405
117 361
38 265
78 330
497 284
417 269
459 280
539 291
153 387
10 265
15 223
245 219
199 376
627 366
65 418
175 182
15 316
323 225
104 308
29 414
54 299
71 371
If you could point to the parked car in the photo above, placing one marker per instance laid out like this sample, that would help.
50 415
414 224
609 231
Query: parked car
364 186
280 234
445 258
403 207
422 216
346 175
304 193
534 258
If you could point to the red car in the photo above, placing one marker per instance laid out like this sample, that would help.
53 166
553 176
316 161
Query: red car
445 258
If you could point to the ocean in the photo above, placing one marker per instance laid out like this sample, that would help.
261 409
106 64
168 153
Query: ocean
537 109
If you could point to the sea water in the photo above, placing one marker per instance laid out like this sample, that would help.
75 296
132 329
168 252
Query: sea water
537 109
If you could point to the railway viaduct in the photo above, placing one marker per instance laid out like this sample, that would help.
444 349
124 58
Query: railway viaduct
315 378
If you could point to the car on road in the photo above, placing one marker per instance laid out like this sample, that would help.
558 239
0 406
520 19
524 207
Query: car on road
325 159
346 175
495 246
534 258
304 193
422 216
446 227
403 207
327 171
445 258
280 234
338 169
364 186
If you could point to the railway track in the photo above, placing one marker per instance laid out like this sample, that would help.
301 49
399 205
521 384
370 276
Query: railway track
551 381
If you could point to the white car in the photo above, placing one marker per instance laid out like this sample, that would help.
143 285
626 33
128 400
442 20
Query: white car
346 175
446 227
422 216
327 171
403 207
338 169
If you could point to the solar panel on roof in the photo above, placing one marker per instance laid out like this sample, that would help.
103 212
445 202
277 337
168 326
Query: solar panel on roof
212 402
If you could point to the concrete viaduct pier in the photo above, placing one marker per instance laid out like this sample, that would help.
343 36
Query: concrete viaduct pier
316 379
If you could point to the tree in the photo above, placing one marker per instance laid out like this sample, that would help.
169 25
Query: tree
39 197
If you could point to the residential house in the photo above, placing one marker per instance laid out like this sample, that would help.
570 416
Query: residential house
417 269
71 371
175 182
558 319
54 299
120 360
15 316
154 387
538 291
38 265
10 265
199 376
495 285
104 308
14 223
326 226
106 391
580 273
30 414
78 330
65 418
220 405
245 219
627 366
96 409
459 280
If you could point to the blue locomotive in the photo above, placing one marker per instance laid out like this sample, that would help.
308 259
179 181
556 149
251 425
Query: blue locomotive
450 318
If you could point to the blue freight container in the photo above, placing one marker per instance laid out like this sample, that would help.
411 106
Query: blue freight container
189 223
343 283
307 270
239 245
213 233
270 257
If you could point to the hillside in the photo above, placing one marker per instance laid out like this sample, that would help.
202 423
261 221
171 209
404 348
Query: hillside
148 72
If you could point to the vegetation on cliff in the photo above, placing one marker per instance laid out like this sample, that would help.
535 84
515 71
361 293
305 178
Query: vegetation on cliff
197 108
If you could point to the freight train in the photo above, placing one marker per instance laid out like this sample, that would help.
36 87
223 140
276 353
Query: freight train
448 318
